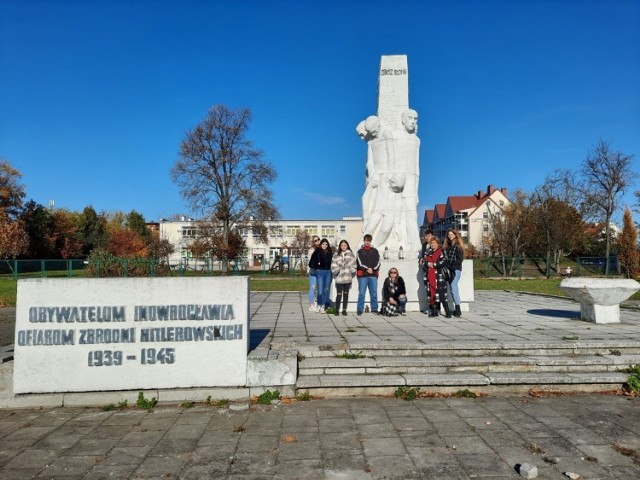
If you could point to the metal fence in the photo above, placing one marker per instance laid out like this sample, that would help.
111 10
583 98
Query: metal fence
527 267
489 267
52 268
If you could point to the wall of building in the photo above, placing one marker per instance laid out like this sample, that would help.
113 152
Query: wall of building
283 232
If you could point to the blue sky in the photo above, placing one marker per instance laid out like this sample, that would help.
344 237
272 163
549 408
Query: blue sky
95 97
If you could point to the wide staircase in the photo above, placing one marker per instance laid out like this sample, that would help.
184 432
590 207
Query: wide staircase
342 370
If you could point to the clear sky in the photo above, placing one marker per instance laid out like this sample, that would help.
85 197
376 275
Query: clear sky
95 96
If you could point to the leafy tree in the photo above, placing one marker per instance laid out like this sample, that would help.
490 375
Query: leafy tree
113 222
159 250
200 248
40 226
14 240
11 191
66 235
604 177
92 230
628 245
221 175
136 223
210 239
559 227
126 243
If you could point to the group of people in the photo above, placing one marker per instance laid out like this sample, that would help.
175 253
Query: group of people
342 266
442 267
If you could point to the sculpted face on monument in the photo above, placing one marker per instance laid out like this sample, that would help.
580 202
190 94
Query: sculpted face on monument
372 126
410 120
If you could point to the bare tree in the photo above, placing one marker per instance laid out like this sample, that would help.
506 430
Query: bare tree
604 176
221 175
509 227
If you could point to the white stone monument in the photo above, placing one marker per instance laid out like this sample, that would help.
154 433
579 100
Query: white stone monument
99 334
390 199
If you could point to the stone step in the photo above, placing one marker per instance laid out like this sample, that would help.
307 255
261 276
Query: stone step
438 349
461 380
479 364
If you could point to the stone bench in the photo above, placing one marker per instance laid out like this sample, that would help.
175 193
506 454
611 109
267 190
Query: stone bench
599 298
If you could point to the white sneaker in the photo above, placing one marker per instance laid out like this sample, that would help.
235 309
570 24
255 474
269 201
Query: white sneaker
312 308
321 309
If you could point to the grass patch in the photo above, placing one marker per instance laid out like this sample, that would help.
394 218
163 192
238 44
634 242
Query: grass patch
633 380
537 285
571 337
351 355
407 393
111 406
186 404
303 396
466 393
267 397
146 403
615 353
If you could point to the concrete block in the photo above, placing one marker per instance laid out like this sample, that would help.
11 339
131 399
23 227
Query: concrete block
527 470
599 298
281 370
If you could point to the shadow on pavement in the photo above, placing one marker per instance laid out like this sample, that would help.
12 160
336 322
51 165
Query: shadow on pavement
545 312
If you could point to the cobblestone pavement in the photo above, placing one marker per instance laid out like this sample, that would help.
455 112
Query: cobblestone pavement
595 436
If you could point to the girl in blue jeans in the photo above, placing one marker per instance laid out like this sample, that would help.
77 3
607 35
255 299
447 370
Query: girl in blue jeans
321 261
454 250
313 279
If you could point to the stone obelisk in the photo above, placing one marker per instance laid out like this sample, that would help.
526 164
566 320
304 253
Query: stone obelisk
393 90
390 200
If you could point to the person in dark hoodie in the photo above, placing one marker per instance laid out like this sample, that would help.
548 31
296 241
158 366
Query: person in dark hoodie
321 261
368 267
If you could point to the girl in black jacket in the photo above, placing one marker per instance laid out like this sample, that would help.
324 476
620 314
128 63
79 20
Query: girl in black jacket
394 294
321 261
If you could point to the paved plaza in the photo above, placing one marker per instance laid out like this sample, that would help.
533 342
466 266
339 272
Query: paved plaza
283 318
595 436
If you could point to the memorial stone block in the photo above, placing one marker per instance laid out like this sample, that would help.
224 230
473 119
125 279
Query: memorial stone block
75 335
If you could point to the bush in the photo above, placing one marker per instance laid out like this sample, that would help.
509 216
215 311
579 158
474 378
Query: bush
103 264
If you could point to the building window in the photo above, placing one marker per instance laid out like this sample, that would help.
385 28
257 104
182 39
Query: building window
485 228
292 230
328 230
311 229
343 229
485 215
188 232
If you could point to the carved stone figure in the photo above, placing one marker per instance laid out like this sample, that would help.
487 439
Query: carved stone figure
390 199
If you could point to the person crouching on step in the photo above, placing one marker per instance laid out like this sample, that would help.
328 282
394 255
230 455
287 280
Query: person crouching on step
394 294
